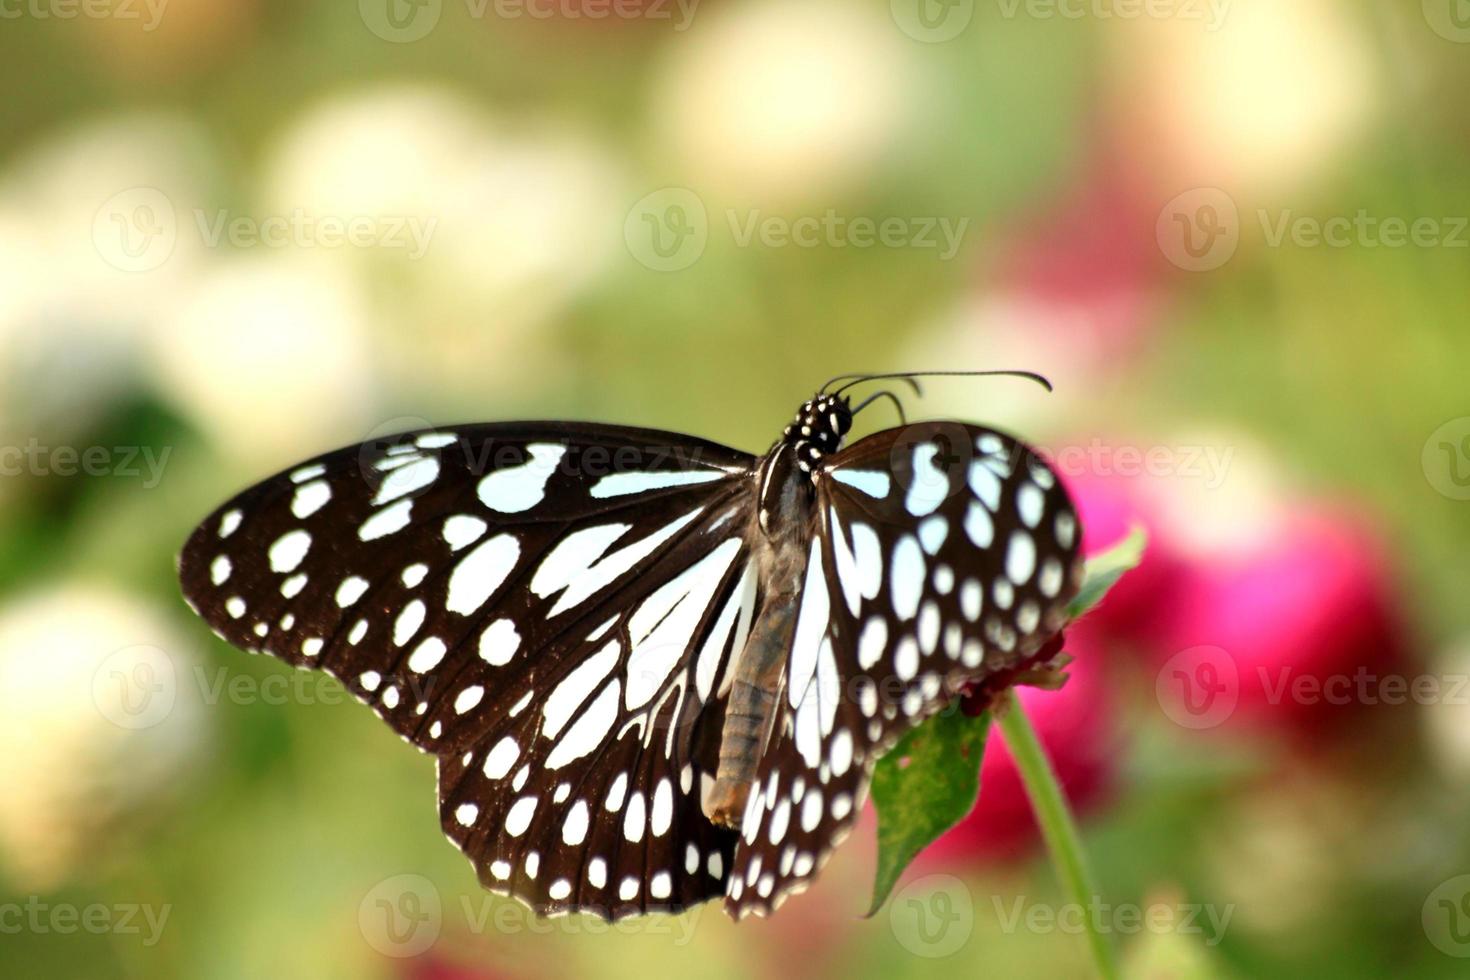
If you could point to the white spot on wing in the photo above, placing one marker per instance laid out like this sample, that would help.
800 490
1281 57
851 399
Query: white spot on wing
573 555
310 498
427 655
499 759
519 488
1020 557
288 550
481 572
621 484
906 582
979 526
872 642
351 589
874 483
389 520
610 567
811 626
499 642
519 816
985 484
930 483
462 530
574 688
663 625
1030 503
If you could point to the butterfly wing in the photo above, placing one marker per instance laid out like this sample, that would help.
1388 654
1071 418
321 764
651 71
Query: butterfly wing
547 607
941 553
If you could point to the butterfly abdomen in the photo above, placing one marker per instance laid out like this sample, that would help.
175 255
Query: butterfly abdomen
754 695
780 554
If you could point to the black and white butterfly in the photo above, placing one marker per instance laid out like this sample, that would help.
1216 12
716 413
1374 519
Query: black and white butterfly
653 670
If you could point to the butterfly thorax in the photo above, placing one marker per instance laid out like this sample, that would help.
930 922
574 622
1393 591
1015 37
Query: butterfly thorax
780 552
816 431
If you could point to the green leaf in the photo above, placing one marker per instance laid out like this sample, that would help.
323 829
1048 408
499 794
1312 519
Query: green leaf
922 787
1104 570
930 780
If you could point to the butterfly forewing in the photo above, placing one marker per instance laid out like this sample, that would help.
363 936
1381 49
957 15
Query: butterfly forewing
940 554
549 608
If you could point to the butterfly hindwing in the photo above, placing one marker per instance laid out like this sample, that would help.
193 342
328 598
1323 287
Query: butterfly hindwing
547 607
940 554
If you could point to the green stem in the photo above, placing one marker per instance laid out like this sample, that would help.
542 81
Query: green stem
1057 825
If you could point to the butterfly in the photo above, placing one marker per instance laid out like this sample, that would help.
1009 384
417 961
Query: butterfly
653 670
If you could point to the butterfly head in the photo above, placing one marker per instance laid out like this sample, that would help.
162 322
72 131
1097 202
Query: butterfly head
819 428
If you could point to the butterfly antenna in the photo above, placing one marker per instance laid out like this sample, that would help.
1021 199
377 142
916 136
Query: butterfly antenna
885 393
856 378
911 375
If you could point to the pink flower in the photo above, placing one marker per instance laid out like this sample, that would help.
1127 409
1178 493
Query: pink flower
1076 726
1109 508
1088 268
1302 627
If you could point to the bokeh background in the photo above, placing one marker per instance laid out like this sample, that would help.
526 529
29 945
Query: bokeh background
1234 233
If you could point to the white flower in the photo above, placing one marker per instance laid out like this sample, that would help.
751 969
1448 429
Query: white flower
90 257
512 220
269 354
99 717
774 101
1261 103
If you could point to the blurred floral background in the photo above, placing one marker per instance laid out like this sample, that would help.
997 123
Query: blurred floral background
1233 233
